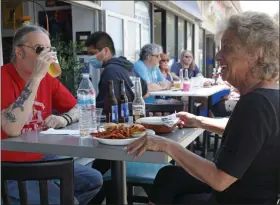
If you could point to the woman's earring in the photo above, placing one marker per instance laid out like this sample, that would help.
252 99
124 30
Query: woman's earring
253 70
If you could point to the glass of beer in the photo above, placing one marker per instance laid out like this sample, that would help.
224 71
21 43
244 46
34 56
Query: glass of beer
54 69
177 84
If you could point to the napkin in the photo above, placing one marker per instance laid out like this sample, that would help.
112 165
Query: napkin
52 131
170 120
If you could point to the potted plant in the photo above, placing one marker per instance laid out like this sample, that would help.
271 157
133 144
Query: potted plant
69 63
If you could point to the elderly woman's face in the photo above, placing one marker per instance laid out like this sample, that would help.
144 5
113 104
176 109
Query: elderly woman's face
233 59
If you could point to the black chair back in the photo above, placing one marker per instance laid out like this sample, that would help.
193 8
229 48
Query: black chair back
62 169
163 109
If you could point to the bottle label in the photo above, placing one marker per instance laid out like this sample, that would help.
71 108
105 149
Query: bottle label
114 109
124 110
138 111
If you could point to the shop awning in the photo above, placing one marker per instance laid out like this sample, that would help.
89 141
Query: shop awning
191 7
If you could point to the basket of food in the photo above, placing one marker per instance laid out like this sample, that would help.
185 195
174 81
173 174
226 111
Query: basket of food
161 125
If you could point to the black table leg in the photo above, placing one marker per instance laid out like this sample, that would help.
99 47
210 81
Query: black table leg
118 169
191 105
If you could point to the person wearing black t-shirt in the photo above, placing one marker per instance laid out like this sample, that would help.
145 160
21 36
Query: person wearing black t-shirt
246 169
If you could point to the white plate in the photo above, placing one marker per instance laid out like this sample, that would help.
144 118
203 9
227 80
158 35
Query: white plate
122 141
115 141
156 121
151 132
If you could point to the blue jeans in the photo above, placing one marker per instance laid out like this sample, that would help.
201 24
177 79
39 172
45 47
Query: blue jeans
87 183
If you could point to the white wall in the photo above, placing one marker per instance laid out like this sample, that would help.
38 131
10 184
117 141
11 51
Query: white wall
120 7
82 20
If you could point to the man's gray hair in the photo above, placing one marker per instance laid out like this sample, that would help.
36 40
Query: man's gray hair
148 50
19 37
259 33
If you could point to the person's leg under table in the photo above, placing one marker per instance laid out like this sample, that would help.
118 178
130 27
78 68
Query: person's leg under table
173 183
87 181
106 191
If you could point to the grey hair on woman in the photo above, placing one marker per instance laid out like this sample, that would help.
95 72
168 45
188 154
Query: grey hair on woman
149 50
20 34
259 35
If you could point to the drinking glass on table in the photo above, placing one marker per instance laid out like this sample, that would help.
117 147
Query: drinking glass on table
98 112
177 84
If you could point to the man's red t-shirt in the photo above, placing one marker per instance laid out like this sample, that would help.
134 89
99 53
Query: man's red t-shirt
51 95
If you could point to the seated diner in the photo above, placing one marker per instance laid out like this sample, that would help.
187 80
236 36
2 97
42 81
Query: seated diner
246 168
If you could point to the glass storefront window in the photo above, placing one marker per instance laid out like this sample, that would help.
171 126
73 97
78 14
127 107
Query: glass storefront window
189 36
157 28
170 34
181 36
133 41
142 14
114 28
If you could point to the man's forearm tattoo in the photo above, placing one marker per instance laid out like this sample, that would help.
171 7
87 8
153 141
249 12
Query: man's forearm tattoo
10 117
18 103
23 97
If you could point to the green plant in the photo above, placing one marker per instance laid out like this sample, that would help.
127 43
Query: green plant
69 63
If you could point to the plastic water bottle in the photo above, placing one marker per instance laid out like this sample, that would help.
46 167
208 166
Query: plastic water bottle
87 103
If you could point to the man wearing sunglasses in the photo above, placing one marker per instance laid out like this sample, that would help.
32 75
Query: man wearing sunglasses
28 96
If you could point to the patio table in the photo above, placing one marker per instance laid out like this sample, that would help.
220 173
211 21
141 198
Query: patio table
68 145
192 93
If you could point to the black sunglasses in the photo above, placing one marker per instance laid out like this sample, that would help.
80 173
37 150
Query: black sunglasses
164 61
38 49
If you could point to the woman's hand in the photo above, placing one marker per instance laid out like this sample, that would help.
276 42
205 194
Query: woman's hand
153 143
186 120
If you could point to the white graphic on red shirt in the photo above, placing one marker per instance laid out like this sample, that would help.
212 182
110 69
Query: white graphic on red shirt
35 120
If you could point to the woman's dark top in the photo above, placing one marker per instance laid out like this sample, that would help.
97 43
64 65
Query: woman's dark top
250 150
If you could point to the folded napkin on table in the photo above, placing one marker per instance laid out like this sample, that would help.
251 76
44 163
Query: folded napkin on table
52 131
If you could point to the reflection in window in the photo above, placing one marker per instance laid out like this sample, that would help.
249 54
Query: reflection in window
133 41
181 36
170 34
142 14
115 30
189 36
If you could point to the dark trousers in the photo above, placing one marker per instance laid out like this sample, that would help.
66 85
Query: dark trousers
223 108
173 185
102 166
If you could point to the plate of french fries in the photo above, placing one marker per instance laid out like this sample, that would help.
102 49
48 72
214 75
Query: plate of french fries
120 134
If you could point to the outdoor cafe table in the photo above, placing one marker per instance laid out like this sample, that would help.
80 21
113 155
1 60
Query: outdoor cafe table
67 145
194 92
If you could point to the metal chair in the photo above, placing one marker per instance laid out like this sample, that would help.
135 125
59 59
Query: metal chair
42 171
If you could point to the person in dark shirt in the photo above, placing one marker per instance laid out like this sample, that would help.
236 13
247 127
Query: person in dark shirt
101 46
246 169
